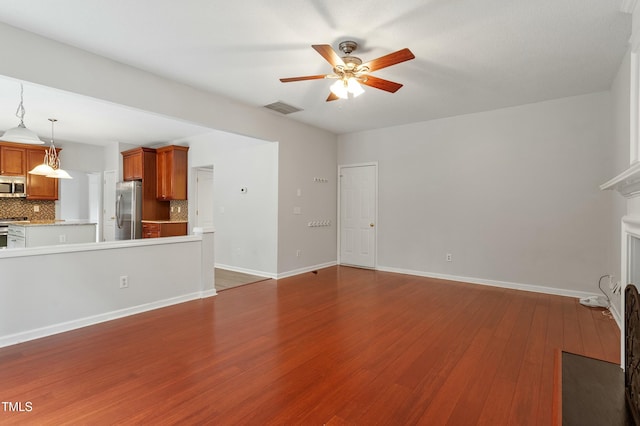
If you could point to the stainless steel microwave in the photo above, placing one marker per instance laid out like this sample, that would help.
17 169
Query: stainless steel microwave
13 186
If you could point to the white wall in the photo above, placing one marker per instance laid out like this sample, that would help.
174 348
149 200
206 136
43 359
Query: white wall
246 223
299 162
49 290
81 157
304 151
513 194
74 196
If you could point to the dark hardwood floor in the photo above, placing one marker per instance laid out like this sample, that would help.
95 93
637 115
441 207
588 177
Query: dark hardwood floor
344 346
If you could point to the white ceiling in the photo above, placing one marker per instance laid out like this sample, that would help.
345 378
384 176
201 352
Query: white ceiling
471 55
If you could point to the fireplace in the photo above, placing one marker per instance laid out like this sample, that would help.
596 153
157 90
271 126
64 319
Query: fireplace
632 350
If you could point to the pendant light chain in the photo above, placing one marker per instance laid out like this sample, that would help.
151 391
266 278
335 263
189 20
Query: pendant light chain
51 156
21 111
20 133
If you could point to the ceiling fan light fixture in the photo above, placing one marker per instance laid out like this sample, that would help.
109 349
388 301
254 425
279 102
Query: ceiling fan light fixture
339 88
351 72
354 87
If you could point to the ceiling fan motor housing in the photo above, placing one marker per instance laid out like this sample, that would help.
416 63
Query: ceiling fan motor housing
348 46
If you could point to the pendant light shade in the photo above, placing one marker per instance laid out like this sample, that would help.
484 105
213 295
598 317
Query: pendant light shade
59 174
21 134
42 170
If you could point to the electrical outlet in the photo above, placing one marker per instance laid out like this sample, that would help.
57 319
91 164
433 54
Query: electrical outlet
124 281
611 282
298 253
449 257
36 208
62 238
179 208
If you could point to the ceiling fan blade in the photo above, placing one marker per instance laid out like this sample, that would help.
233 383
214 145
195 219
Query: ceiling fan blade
308 77
380 83
332 97
390 59
329 54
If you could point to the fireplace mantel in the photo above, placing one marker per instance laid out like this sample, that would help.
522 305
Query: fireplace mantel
631 225
626 183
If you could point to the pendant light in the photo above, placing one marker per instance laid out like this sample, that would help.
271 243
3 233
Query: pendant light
51 165
21 134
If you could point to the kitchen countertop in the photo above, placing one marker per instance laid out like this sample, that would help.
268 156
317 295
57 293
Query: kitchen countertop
51 222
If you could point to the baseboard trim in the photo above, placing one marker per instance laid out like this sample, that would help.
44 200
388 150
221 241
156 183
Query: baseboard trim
208 293
492 283
306 269
616 316
246 271
49 330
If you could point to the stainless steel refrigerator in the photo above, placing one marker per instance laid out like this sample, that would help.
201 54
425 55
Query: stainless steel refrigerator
128 210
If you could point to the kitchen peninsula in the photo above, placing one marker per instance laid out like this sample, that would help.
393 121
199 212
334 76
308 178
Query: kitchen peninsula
40 233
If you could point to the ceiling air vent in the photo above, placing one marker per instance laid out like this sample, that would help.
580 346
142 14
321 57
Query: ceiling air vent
282 108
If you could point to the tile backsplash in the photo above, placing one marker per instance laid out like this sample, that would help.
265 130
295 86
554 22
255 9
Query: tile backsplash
20 207
183 206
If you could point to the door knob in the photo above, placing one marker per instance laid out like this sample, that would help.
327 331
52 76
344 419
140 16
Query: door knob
371 224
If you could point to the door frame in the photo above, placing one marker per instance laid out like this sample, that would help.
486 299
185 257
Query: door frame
196 196
339 213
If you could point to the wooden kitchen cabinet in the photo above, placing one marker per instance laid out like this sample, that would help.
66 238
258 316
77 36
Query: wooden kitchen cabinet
140 164
17 159
13 161
163 229
172 172
39 187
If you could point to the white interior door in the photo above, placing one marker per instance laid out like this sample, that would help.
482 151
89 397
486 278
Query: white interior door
109 206
358 208
204 197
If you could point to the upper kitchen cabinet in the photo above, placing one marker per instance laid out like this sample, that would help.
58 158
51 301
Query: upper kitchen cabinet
39 187
12 161
18 159
172 172
140 164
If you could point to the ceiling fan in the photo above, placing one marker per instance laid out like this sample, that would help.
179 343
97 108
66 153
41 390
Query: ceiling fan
350 72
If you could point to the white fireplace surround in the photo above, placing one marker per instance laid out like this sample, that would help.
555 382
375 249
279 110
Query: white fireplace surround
627 184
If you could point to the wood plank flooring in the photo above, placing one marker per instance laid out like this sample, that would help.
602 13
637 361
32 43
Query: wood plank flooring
226 279
343 346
